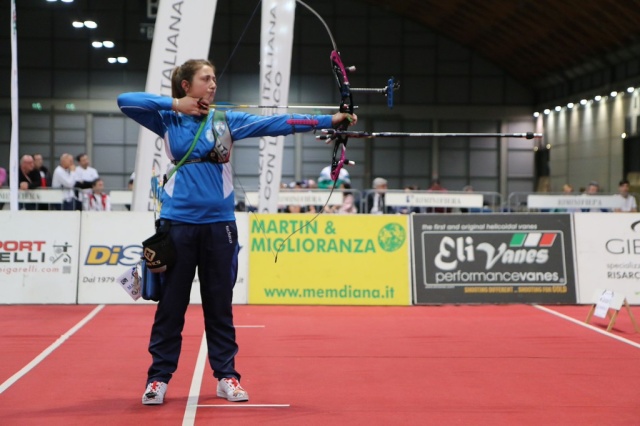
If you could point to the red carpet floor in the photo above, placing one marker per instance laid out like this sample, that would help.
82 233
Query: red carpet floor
423 365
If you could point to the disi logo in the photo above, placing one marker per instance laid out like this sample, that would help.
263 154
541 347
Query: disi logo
495 257
113 255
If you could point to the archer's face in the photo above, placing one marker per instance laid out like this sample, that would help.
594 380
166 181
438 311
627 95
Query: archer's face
203 84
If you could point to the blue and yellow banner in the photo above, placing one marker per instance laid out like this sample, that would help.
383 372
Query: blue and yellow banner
334 260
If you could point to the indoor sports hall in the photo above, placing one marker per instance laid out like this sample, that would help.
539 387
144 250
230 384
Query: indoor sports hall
291 212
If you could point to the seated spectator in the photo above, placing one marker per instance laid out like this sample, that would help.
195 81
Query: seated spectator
376 199
592 189
97 200
325 181
629 203
348 205
64 178
435 186
28 178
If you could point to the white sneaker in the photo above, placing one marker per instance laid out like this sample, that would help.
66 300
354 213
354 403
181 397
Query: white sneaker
230 389
154 394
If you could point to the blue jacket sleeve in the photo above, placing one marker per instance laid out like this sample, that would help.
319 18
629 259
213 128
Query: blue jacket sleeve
243 125
145 109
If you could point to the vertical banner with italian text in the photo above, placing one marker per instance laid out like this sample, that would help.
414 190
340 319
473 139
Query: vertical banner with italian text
182 31
333 260
276 42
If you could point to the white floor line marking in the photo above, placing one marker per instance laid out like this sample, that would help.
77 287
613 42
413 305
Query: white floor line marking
189 418
242 405
38 359
249 326
591 327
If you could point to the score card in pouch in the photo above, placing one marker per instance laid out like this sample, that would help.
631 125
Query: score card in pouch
130 282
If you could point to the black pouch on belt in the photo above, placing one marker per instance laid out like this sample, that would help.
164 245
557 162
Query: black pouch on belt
158 250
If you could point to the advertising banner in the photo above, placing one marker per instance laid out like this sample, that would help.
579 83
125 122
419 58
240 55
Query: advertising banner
493 258
608 255
112 242
38 256
333 260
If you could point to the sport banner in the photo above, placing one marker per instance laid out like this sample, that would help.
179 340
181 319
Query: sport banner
608 255
38 256
333 260
111 243
493 258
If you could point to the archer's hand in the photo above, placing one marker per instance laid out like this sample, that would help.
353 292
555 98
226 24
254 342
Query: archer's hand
191 106
339 117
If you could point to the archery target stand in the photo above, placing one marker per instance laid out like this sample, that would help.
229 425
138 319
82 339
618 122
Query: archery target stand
608 305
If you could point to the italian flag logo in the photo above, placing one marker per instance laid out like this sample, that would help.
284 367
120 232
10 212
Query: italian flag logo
533 239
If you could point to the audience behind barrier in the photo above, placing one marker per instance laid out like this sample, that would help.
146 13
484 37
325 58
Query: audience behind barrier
73 181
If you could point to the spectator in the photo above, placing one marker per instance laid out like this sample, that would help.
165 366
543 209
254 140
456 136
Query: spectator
28 178
436 187
64 178
567 189
348 205
630 204
85 176
592 189
45 176
325 181
97 200
408 209
375 199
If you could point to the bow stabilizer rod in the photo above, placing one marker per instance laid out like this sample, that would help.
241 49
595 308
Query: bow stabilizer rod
329 134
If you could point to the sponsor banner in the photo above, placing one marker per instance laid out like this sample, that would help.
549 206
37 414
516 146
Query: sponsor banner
608 255
301 198
537 201
493 258
433 199
112 243
332 260
45 196
38 257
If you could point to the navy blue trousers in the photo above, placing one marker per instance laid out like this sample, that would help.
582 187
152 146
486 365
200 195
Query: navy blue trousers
213 249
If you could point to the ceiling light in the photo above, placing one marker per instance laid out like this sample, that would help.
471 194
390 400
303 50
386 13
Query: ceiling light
123 59
570 105
96 44
624 135
108 44
77 24
112 60
614 94
67 1
547 111
598 98
583 101
536 114
51 1
558 108
90 24
630 89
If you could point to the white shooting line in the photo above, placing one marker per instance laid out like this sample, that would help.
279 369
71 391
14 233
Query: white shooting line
38 359
590 327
